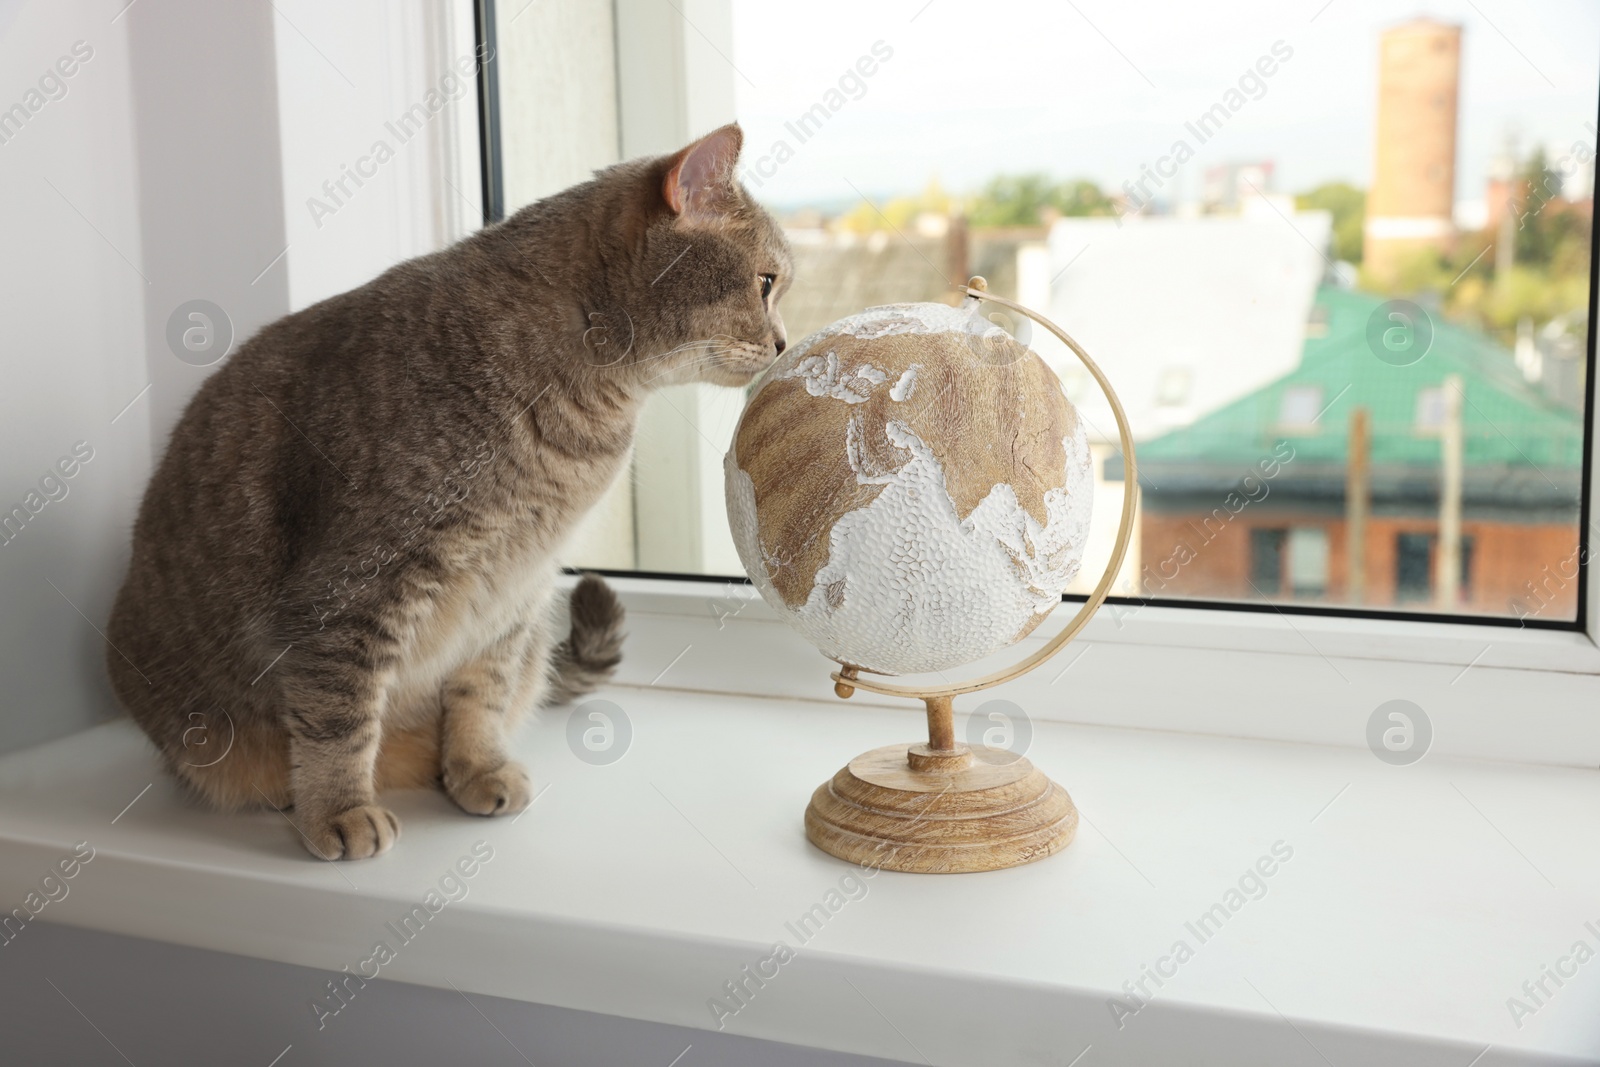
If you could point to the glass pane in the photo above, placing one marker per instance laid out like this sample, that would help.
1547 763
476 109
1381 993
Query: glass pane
1336 268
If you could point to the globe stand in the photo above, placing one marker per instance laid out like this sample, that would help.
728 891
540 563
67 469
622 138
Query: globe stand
939 808
936 808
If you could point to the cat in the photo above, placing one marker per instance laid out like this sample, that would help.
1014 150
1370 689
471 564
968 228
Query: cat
343 569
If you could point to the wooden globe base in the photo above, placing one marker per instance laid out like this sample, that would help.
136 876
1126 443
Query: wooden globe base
939 811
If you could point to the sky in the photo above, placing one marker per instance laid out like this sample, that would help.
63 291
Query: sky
1098 88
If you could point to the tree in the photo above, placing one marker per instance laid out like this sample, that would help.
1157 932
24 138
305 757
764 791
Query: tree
1348 205
1081 197
1549 277
1023 199
898 212
1550 233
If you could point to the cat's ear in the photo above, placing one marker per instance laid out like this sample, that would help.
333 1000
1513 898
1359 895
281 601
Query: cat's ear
700 182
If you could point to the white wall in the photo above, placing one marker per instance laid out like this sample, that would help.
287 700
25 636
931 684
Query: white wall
176 167
130 146
208 176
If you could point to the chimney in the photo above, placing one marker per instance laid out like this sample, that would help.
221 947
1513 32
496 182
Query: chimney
1411 205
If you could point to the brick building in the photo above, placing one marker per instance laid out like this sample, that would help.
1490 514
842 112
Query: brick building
1252 500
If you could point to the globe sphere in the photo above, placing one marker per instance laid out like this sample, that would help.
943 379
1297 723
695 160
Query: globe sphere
910 488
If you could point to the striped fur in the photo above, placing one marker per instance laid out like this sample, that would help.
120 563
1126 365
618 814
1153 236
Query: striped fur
343 570
588 656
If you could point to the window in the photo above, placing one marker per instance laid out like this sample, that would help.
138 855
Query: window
1308 562
1430 408
1413 567
1416 566
1266 560
1299 406
1291 320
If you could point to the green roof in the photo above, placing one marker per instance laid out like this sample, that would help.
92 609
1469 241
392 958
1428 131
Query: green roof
1511 431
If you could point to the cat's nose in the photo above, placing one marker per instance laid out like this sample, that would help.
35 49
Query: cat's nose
780 344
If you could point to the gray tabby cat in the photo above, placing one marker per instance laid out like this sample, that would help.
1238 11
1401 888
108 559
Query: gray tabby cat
343 569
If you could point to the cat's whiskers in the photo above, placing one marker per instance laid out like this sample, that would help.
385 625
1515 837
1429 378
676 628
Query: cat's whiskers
691 365
686 346
716 351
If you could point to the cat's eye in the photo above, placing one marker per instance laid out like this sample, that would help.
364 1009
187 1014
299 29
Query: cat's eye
766 284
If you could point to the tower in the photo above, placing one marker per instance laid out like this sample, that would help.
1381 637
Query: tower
1412 201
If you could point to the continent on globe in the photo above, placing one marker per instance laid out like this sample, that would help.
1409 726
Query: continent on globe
910 488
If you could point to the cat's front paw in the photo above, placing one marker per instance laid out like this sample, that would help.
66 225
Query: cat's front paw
357 833
502 790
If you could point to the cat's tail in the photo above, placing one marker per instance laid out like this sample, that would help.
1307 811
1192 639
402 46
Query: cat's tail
591 652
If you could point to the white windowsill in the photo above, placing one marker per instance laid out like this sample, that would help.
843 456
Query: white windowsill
1490 692
1418 899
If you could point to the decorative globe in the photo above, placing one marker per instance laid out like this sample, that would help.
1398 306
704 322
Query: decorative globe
910 488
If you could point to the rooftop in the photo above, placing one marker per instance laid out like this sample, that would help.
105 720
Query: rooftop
1518 444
